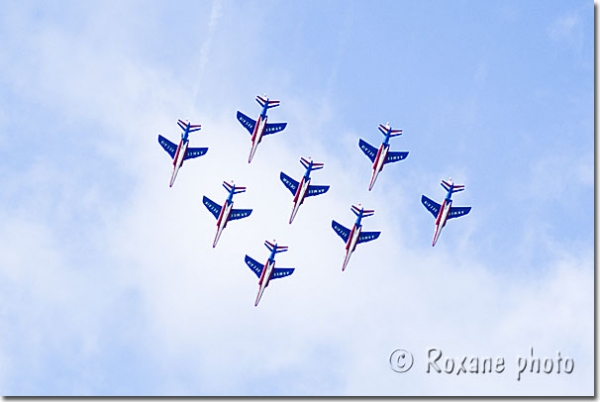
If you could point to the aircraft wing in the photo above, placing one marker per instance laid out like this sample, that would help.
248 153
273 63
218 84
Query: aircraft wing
167 145
191 153
212 206
316 190
273 128
254 265
281 272
340 230
368 149
246 121
239 214
455 212
367 236
431 206
290 183
395 156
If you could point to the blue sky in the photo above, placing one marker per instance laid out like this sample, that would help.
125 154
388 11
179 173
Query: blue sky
109 284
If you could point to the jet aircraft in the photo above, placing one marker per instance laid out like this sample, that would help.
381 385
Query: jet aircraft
354 236
446 211
382 156
304 188
267 271
259 128
226 212
181 152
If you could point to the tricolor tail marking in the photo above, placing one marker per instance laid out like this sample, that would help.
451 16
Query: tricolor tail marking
266 101
384 130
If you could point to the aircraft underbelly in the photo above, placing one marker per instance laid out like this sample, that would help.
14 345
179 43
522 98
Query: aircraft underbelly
266 275
259 131
439 224
299 197
264 281
177 161
260 126
223 221
382 158
445 213
378 165
354 238
352 241
181 154
228 206
302 193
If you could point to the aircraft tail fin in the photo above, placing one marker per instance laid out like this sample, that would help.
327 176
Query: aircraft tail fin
236 189
193 127
263 100
365 212
315 165
278 249
455 187
386 128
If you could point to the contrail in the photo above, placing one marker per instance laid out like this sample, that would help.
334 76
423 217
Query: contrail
215 15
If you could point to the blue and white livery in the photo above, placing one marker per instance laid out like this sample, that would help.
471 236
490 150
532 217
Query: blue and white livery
181 152
259 128
304 188
267 271
381 156
354 236
446 211
226 213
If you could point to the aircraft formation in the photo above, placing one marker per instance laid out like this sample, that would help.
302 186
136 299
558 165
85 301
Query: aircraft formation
302 189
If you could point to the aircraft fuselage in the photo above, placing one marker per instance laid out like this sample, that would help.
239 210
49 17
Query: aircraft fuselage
257 134
379 162
441 219
222 220
178 159
265 277
299 196
351 243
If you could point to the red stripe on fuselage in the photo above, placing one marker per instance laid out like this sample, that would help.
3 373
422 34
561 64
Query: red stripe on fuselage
177 153
221 214
377 157
255 131
350 236
262 274
297 195
440 212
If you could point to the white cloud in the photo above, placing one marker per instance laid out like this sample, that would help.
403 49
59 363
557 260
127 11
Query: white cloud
215 15
568 29
558 177
319 331
564 27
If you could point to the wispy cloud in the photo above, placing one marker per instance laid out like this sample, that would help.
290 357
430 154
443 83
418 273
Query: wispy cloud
130 297
565 27
568 30
215 15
